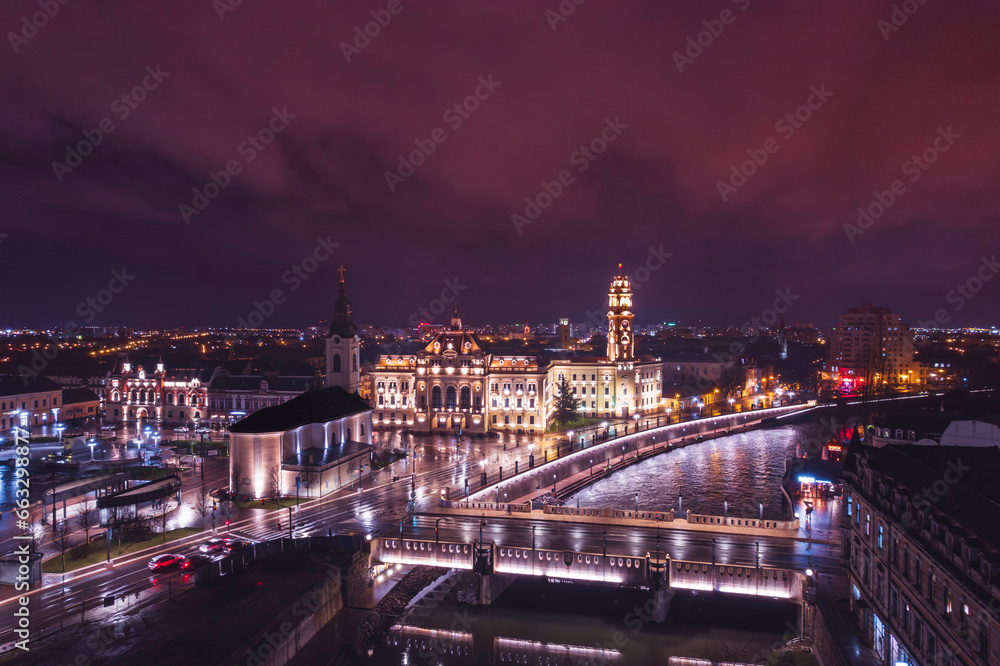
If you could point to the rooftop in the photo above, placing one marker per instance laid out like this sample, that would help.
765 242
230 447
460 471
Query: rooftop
318 406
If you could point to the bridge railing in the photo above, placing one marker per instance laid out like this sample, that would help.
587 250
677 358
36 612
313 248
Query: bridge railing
390 550
696 519
486 506
665 516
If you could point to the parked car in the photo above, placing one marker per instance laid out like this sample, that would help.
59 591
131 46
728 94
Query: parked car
213 546
164 562
196 562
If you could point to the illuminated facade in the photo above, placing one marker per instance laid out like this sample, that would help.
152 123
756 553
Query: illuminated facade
29 401
454 385
130 393
871 340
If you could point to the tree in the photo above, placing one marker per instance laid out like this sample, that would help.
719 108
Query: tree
236 477
274 479
202 505
87 517
566 402
60 537
726 652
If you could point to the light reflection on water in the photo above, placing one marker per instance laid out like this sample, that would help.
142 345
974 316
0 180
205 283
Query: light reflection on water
744 469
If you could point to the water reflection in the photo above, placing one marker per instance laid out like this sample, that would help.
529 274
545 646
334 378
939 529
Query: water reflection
743 469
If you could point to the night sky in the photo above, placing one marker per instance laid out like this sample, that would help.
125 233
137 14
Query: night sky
675 119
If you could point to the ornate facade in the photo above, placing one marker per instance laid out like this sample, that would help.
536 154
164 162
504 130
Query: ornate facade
454 385
130 393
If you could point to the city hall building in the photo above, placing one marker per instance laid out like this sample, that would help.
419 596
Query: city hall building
453 384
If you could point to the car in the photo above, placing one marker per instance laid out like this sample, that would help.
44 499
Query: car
181 429
213 546
196 562
164 562
235 544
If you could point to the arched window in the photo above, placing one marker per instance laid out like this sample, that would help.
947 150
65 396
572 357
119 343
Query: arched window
170 398
114 396
133 395
449 397
180 398
354 362
436 397
466 397
336 363
348 434
362 431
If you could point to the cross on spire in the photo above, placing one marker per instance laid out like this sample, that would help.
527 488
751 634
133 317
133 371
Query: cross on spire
341 271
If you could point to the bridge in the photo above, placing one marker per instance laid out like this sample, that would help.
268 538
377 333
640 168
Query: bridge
500 549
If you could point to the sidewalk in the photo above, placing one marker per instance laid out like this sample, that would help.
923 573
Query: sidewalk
843 630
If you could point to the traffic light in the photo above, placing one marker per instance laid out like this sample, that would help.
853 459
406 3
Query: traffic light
262 501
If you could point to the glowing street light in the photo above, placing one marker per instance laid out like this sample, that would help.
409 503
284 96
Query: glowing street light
92 444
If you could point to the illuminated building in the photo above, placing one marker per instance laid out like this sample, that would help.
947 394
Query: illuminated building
130 393
453 384
316 443
80 403
28 401
920 534
871 342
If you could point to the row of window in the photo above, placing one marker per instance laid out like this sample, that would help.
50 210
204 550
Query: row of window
24 403
923 581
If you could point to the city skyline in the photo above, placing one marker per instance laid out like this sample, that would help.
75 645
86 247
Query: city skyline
218 170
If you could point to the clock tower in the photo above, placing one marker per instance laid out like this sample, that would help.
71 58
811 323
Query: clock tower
621 338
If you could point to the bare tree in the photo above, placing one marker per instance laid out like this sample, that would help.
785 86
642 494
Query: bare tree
87 517
236 477
724 653
274 480
60 537
202 505
163 510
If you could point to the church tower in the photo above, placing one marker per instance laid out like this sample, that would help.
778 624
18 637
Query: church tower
621 338
343 346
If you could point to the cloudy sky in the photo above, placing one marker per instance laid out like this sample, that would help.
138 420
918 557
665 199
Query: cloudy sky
667 100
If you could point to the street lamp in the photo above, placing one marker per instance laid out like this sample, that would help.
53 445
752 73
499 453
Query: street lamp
59 429
91 444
